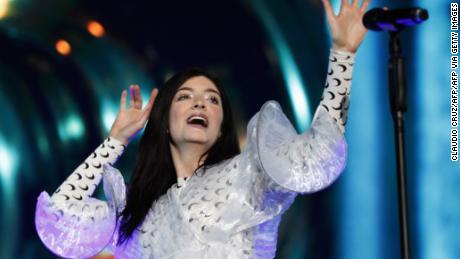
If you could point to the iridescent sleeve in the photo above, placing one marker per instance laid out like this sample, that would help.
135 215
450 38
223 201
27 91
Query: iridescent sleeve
71 223
303 163
311 161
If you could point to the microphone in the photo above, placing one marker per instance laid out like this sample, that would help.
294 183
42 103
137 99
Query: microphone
378 19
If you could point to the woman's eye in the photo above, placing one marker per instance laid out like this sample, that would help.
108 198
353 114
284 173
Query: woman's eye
214 100
182 97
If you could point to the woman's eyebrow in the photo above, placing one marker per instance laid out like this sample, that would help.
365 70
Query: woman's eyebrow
186 88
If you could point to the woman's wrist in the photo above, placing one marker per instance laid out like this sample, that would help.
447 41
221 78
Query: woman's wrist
119 138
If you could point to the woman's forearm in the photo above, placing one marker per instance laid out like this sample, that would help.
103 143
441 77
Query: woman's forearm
84 180
336 94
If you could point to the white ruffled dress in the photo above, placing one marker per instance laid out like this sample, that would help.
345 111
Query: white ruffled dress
231 210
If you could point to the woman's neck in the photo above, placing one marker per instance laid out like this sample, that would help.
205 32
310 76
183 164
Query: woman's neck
186 159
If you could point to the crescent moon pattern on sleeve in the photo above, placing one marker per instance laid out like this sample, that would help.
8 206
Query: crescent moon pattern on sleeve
336 94
83 181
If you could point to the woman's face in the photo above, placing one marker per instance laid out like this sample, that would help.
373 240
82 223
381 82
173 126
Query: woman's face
196 113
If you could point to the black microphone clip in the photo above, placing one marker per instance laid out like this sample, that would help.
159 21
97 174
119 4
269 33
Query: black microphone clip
379 19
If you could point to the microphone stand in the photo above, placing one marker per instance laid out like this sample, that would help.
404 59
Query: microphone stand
397 90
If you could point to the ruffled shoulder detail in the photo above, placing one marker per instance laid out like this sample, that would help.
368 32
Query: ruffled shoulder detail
81 229
301 163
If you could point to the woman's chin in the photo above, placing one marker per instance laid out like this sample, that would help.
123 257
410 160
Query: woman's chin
201 139
195 136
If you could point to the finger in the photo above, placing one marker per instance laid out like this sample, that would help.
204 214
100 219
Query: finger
137 97
131 96
134 96
150 104
328 8
343 5
355 3
123 100
153 95
364 5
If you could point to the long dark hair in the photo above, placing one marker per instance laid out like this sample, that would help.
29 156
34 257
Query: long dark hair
154 172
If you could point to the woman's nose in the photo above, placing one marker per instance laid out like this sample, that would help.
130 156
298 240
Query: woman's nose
199 105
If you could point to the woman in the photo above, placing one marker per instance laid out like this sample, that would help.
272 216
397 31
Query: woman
193 194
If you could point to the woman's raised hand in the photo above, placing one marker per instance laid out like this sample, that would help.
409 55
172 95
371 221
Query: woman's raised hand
131 120
347 28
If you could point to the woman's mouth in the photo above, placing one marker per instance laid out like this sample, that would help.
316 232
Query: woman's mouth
198 120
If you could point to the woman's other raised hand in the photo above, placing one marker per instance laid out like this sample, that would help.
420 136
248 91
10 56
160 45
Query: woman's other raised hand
130 120
346 28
